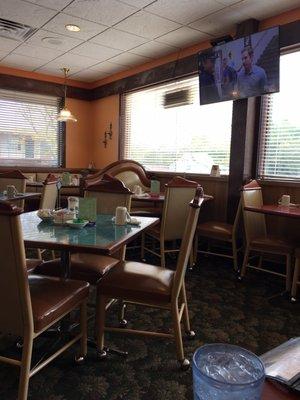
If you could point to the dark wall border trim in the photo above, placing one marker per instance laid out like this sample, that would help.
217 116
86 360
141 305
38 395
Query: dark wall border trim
11 82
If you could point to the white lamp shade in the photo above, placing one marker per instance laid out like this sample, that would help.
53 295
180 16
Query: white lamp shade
65 115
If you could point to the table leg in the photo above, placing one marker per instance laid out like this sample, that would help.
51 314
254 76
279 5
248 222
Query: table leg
65 263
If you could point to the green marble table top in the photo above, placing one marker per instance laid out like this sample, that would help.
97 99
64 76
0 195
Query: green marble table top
103 238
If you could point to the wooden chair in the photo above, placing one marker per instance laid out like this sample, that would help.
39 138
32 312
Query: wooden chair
296 278
15 178
48 201
219 231
152 286
31 304
49 193
179 192
257 238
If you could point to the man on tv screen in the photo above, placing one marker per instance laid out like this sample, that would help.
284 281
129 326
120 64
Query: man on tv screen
208 88
252 79
229 77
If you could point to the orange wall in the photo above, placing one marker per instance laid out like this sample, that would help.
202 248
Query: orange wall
104 112
79 135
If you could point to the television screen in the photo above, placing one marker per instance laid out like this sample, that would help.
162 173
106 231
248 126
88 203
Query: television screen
244 67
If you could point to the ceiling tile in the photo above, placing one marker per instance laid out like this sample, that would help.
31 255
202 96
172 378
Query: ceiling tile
228 2
96 51
88 75
118 39
22 62
108 67
129 59
61 42
220 22
3 54
147 25
264 9
25 13
55 69
53 4
184 11
87 29
183 36
137 3
37 52
107 12
153 49
8 44
73 60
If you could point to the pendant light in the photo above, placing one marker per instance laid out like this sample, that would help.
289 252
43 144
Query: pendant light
65 114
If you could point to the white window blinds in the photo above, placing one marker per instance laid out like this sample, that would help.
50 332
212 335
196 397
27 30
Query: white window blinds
29 132
279 151
165 129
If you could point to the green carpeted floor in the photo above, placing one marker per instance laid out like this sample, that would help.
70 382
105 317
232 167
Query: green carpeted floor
221 310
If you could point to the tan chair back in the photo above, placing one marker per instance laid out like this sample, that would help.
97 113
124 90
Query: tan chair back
110 193
255 223
49 193
15 178
187 240
178 194
15 303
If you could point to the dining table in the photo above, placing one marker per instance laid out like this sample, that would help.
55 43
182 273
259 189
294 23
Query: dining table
159 198
102 237
19 196
276 209
276 391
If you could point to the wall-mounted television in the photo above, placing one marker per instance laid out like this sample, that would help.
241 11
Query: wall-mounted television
241 68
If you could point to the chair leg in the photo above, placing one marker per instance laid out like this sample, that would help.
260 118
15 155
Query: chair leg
184 363
39 254
25 367
186 318
245 262
235 255
260 261
295 279
122 320
143 246
83 330
100 321
195 248
53 254
288 272
162 254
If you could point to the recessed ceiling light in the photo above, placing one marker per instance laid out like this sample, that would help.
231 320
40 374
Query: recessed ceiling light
72 28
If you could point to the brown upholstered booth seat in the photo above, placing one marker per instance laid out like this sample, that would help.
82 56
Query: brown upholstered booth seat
134 281
31 264
216 230
52 297
271 244
85 267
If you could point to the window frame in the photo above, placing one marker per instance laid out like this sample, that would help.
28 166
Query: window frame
276 181
61 135
121 141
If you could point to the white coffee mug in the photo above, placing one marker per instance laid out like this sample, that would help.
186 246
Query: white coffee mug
11 191
285 200
137 190
122 216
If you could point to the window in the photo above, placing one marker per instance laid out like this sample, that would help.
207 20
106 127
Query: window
29 132
165 129
279 152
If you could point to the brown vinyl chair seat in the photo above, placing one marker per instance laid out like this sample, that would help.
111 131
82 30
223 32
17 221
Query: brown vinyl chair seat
84 267
271 244
215 230
52 297
31 264
139 282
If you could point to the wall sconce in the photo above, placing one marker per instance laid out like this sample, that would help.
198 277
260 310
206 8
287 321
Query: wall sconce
107 134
